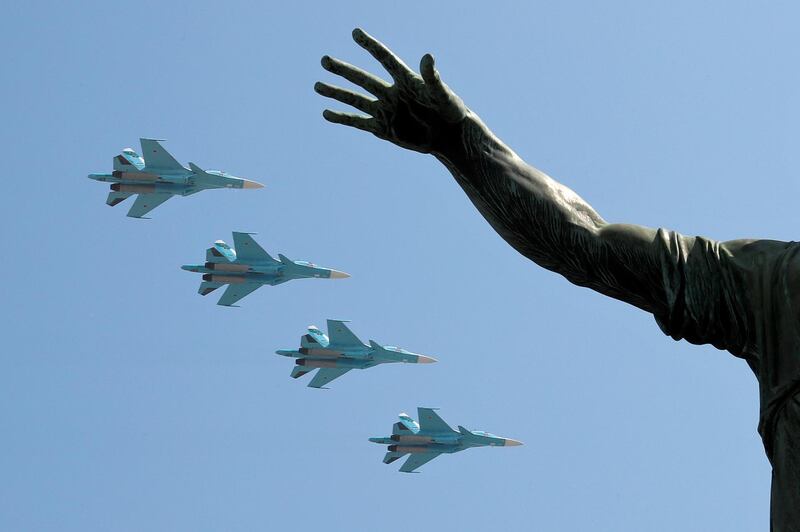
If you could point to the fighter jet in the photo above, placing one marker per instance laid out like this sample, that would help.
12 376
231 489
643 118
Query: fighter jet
431 437
157 176
248 267
341 352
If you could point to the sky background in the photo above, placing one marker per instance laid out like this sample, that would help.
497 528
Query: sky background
128 402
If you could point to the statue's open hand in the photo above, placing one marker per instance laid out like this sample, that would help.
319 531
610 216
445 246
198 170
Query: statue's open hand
412 113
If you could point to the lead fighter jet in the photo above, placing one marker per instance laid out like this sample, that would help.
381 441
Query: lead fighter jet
431 437
341 351
156 176
247 267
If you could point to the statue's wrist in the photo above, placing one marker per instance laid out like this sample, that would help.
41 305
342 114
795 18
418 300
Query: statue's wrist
463 142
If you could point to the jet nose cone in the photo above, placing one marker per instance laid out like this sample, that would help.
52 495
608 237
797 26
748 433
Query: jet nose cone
251 184
426 360
336 274
512 443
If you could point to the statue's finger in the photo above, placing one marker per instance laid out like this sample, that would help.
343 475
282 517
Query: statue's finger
369 82
359 101
394 65
357 121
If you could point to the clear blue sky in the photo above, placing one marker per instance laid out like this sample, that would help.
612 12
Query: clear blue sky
128 402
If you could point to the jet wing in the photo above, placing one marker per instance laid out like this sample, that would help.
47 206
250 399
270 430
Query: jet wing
155 156
235 292
429 421
416 460
248 250
326 375
341 336
147 202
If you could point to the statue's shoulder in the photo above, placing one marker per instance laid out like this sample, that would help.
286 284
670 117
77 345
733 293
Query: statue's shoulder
763 252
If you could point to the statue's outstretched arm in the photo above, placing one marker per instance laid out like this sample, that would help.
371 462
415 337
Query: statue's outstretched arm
538 216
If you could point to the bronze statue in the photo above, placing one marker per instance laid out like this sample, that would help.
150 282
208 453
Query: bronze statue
742 296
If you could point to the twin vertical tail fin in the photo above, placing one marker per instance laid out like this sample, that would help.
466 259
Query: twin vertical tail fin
314 338
212 255
407 423
220 253
399 428
128 161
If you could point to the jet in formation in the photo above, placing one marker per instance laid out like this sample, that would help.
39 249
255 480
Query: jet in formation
431 437
247 267
340 351
156 176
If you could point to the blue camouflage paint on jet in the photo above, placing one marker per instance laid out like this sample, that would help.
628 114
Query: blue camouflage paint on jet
247 267
340 351
431 437
156 176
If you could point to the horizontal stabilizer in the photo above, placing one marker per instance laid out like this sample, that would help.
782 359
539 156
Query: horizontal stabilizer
299 371
391 456
115 198
207 287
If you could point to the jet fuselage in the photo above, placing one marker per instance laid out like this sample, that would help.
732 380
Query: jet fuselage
259 273
181 184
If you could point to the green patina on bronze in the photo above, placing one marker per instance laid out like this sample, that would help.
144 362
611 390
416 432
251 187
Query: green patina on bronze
742 296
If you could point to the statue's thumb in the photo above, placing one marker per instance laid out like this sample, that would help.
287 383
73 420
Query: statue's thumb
450 106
